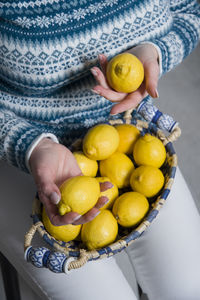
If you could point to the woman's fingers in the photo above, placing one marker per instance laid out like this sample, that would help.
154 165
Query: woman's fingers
92 213
151 71
68 218
53 214
128 103
131 101
148 55
101 202
49 195
99 76
103 62
105 185
46 188
89 216
103 88
73 217
108 93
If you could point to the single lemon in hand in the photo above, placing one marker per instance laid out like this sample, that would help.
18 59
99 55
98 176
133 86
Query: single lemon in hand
147 180
130 208
78 194
149 150
118 167
125 73
128 135
100 141
64 233
111 193
89 167
101 231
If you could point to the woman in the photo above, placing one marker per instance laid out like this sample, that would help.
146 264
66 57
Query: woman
49 96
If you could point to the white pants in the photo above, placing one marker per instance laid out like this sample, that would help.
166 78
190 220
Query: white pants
165 259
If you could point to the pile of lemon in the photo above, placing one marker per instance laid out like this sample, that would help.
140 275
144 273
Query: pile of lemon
131 162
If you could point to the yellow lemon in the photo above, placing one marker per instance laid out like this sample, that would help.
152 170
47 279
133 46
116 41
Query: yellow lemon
78 194
89 167
101 231
128 135
64 233
100 141
125 73
130 208
118 167
111 193
147 180
149 150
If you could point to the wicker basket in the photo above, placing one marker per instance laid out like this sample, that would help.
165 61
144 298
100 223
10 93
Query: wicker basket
72 255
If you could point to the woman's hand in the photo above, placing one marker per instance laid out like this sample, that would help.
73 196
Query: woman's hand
51 164
148 55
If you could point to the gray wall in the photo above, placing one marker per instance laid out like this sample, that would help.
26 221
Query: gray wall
179 92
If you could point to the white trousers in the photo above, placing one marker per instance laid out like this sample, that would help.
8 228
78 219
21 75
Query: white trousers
165 259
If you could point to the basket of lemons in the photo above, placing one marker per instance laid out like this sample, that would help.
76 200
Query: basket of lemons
140 162
138 159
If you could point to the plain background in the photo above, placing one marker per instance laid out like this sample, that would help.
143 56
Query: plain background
179 92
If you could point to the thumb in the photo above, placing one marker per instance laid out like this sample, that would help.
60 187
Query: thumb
48 191
151 71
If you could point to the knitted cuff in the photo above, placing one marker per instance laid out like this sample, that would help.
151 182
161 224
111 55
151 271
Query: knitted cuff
17 138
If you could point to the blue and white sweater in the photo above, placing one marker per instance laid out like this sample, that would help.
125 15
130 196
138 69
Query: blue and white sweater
47 48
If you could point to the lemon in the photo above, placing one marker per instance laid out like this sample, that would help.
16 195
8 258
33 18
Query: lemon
101 231
111 193
64 233
78 194
128 135
147 180
150 151
100 141
130 208
89 167
118 167
125 73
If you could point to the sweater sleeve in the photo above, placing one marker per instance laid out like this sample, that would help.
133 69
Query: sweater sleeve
17 137
182 37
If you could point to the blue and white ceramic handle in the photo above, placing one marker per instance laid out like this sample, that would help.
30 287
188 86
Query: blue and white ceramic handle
151 114
42 257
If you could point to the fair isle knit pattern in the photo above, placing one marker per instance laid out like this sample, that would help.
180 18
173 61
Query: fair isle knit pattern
47 48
